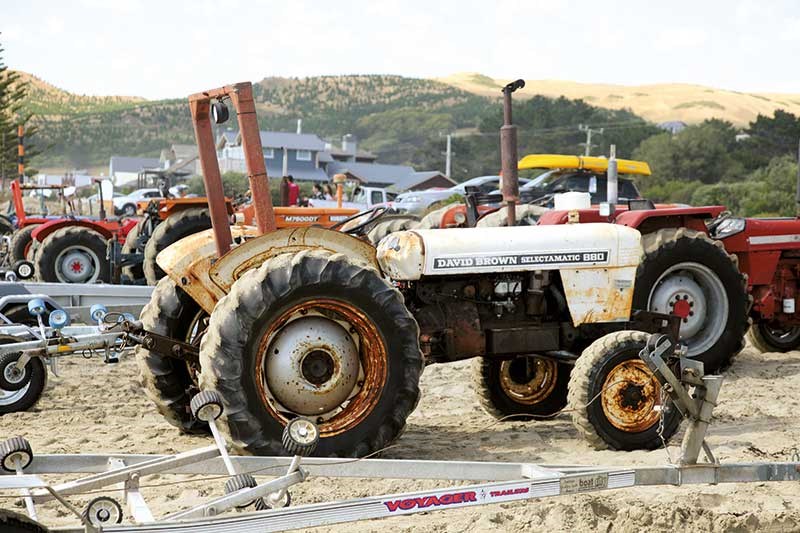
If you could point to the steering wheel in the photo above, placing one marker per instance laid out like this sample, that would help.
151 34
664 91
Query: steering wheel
359 229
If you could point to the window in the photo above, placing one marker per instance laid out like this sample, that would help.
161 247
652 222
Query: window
376 197
269 153
303 155
152 194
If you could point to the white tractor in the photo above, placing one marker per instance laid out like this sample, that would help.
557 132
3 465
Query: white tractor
316 323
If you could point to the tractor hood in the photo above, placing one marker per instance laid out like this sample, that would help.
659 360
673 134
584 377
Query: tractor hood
411 255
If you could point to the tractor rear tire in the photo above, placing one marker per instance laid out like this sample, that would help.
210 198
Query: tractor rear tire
74 254
613 395
135 272
766 339
21 243
344 301
169 382
170 231
393 224
27 396
507 389
11 522
6 226
526 215
685 271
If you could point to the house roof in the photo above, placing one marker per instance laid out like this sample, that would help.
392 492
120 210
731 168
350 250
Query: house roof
227 137
132 164
360 154
371 172
414 179
292 141
299 174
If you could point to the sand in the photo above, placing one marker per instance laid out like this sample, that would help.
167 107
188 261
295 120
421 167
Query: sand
96 408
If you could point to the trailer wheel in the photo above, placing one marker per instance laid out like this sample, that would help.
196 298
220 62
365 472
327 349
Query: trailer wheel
684 272
26 397
134 272
11 522
313 334
392 224
73 255
170 231
767 339
21 243
615 400
168 382
532 388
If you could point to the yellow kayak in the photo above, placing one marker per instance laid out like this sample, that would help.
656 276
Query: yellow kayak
595 164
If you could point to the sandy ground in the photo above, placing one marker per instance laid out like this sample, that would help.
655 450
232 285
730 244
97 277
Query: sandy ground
95 408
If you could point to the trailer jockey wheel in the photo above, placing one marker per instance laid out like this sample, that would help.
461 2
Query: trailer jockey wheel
276 500
300 437
243 481
11 377
11 522
206 405
23 269
15 453
103 511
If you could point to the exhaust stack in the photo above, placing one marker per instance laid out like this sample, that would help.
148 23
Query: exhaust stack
508 153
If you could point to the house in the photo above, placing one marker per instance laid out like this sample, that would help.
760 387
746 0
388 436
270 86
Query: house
123 170
295 154
420 181
181 156
349 151
374 174
673 126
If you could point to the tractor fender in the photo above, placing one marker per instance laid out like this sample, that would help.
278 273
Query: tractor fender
650 220
193 265
41 233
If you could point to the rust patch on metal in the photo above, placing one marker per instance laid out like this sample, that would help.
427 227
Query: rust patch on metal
373 354
535 390
630 396
254 252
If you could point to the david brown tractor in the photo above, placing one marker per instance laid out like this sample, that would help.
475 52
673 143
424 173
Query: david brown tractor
314 322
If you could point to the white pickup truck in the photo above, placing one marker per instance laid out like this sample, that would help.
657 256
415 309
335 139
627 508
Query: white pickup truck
361 198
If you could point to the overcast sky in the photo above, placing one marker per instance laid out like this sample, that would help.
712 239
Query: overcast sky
169 48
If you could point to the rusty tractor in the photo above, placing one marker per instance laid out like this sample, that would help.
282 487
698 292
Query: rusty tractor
317 323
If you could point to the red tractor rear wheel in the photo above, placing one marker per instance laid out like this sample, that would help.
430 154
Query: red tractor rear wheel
74 254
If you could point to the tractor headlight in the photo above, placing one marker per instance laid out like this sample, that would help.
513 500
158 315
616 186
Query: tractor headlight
729 226
402 255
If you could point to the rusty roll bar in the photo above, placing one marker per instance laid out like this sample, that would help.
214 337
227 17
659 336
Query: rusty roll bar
508 153
240 96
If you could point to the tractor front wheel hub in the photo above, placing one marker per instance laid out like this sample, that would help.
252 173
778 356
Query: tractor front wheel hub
312 365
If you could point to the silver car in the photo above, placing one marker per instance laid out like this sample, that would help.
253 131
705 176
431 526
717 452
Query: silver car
417 202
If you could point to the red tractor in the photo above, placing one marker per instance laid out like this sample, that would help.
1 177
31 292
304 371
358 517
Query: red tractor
699 287
66 249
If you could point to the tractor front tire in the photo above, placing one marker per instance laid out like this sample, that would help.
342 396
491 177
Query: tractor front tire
170 231
392 224
685 272
21 243
766 339
169 382
523 388
313 334
614 399
74 254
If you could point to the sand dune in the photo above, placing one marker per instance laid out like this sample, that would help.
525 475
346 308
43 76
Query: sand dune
658 103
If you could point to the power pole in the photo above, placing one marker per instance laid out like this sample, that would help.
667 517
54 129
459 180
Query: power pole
589 131
448 153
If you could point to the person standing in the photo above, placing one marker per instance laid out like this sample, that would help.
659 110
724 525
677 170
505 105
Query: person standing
294 191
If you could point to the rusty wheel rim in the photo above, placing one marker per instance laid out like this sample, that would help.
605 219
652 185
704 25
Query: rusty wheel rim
630 397
373 357
528 380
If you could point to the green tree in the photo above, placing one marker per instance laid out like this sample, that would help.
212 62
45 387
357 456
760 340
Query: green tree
770 137
12 114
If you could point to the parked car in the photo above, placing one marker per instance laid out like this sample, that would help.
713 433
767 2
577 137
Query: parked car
417 202
126 205
361 198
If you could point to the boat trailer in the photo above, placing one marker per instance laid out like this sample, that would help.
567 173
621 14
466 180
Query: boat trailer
268 502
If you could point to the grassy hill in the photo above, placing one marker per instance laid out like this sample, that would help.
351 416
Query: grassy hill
396 117
657 103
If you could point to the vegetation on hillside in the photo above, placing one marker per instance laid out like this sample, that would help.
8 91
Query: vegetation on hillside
13 94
